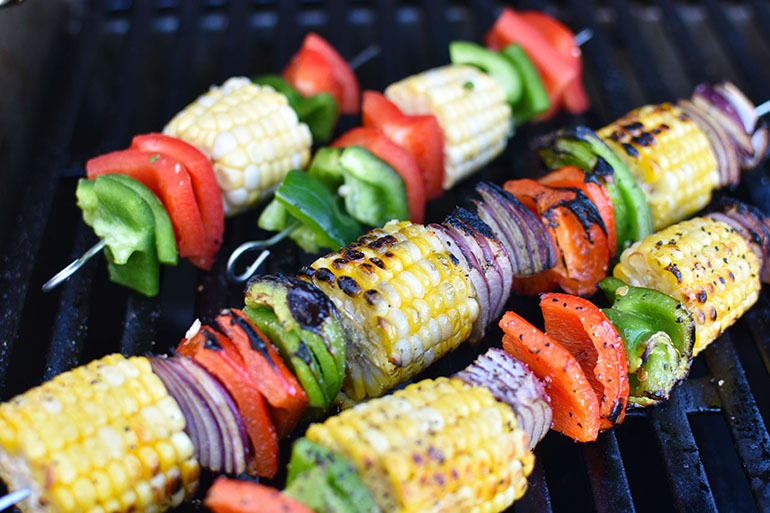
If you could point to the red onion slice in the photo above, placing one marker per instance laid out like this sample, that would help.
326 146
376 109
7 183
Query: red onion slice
472 268
753 226
726 153
511 382
530 242
231 425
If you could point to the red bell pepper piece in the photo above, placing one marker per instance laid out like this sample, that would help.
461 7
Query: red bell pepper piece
267 369
574 97
421 136
233 496
168 179
207 349
318 68
584 330
556 70
574 222
575 406
310 73
571 176
397 157
204 183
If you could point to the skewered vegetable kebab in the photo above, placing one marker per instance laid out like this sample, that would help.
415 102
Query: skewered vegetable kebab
225 122
218 428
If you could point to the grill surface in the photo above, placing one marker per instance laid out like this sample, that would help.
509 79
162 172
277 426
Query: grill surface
119 68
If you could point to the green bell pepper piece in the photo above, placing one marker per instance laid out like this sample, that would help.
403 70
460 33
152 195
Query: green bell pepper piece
302 363
495 65
165 241
374 193
658 333
340 474
319 111
313 490
534 98
119 215
306 320
310 202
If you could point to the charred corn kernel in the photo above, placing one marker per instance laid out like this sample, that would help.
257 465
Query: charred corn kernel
437 445
404 301
75 456
251 135
470 108
670 157
703 263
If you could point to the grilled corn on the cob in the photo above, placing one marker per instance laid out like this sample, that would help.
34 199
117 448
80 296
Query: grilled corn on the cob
470 108
437 445
250 133
670 157
404 300
103 437
703 263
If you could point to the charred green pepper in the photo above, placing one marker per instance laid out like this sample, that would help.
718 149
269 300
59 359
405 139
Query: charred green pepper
582 148
308 457
319 112
658 333
303 323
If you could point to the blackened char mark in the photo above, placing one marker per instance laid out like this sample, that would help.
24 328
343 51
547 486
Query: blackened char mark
584 209
473 223
257 343
603 168
309 306
304 353
210 340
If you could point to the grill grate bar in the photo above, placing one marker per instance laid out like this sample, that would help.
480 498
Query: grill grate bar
38 198
609 482
685 44
391 55
740 52
599 53
438 29
234 58
740 409
69 332
177 81
684 467
759 324
537 499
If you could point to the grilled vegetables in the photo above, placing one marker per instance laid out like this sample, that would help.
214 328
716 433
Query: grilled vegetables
435 445
670 157
703 263
103 435
304 324
512 383
404 301
471 109
658 333
251 135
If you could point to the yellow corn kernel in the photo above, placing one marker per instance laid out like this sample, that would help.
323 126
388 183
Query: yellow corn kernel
62 445
670 157
250 133
704 264
437 445
400 317
470 108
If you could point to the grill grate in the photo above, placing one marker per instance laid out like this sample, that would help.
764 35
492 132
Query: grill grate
125 67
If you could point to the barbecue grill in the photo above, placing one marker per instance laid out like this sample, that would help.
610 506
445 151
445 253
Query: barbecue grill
80 78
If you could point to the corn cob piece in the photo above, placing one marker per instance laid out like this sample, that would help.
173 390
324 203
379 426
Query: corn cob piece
671 158
437 445
250 133
703 263
404 300
102 437
470 108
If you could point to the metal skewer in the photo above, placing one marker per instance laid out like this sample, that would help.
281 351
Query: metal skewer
12 498
74 266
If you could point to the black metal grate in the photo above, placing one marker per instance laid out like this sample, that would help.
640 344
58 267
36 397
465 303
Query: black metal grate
123 67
